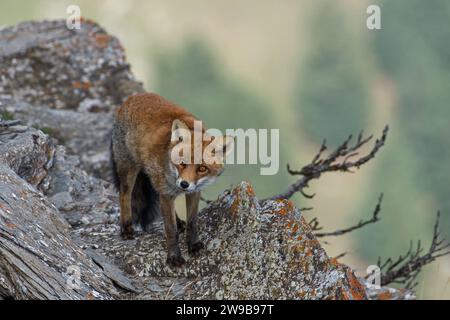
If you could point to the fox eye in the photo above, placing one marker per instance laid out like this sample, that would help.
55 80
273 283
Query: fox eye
202 169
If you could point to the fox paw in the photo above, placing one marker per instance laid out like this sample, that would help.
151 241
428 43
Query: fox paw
194 249
175 261
127 232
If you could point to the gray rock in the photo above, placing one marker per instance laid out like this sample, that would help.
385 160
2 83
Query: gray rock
385 293
66 82
62 200
38 254
260 252
36 250
93 200
112 272
27 152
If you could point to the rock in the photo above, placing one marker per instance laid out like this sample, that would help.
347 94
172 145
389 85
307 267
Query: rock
112 272
385 293
254 251
37 252
80 198
66 82
29 155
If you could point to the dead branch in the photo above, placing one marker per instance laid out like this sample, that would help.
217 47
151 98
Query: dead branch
343 254
338 160
361 223
205 200
314 224
406 268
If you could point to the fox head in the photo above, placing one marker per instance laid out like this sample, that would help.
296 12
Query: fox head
197 162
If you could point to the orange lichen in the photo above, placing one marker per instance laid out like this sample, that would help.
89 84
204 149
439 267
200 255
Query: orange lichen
85 85
289 204
385 296
334 262
344 295
297 249
313 243
234 208
11 225
295 228
308 252
282 211
102 40
250 190
356 288
87 21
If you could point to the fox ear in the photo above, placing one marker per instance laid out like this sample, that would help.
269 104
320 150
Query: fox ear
223 146
228 145
179 130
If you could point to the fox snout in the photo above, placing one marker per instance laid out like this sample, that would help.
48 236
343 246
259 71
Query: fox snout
185 185
193 186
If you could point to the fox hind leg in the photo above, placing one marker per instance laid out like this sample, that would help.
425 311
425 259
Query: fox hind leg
127 180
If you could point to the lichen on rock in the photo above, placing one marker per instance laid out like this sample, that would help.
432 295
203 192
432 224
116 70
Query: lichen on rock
253 251
57 211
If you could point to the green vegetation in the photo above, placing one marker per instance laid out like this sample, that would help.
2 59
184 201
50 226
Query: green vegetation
5 115
46 130
332 92
413 49
193 77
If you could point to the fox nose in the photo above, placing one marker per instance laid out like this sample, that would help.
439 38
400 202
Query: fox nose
184 184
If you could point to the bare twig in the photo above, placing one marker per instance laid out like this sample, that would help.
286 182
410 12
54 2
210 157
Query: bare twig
338 160
205 200
406 268
314 224
360 224
343 254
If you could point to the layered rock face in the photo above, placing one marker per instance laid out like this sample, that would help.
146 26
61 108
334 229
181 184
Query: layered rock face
67 83
59 218
38 257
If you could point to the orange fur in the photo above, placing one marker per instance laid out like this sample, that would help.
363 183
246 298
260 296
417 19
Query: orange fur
141 142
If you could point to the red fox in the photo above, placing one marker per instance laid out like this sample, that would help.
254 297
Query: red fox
145 131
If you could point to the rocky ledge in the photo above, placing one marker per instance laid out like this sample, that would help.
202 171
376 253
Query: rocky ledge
59 234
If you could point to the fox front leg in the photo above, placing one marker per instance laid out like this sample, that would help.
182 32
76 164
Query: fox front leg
193 242
174 257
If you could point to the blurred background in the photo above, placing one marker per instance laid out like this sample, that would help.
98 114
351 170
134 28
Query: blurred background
313 70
